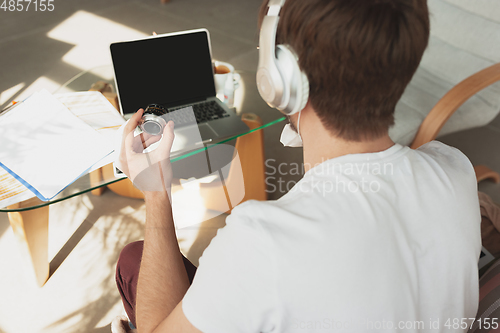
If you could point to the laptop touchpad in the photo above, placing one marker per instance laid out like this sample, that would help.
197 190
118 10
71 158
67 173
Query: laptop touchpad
207 132
192 136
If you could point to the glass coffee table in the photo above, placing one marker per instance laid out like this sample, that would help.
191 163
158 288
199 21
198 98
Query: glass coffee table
29 219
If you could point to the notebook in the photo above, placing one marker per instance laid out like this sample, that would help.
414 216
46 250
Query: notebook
175 70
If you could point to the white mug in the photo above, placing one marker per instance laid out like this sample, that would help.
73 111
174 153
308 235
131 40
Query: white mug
224 89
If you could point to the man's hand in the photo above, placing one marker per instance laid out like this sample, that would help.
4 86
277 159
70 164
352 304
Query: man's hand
148 171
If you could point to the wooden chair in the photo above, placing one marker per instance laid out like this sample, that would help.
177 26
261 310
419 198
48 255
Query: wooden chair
444 109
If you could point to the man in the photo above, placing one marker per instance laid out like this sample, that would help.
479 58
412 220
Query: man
376 236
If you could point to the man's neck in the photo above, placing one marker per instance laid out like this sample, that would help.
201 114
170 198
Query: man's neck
320 145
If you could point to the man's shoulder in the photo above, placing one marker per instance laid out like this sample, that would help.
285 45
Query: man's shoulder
260 210
446 158
443 153
266 216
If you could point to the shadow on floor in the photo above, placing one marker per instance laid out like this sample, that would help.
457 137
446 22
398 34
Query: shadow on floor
116 230
69 246
4 225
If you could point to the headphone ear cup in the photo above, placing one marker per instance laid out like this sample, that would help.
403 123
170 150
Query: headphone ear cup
295 82
304 97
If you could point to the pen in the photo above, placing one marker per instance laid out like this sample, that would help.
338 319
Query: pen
10 107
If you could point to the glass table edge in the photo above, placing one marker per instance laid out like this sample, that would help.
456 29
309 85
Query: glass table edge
173 160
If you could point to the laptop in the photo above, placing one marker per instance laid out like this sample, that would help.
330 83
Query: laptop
175 70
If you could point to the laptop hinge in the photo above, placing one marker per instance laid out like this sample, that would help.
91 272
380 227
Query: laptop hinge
184 102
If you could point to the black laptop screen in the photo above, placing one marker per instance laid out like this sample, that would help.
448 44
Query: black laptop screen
169 70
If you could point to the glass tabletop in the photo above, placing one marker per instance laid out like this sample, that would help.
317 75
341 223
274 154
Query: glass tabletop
247 100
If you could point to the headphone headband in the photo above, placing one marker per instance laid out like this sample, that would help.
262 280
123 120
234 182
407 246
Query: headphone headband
274 7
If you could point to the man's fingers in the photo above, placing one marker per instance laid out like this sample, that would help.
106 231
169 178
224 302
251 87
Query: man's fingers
146 136
133 122
152 140
168 138
142 141
128 130
145 140
137 144
148 139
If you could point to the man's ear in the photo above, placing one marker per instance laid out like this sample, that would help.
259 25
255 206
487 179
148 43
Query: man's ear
308 108
308 104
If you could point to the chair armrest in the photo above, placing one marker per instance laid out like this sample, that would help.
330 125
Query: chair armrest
451 101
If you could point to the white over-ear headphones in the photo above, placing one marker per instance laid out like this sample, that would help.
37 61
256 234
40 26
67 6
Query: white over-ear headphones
280 81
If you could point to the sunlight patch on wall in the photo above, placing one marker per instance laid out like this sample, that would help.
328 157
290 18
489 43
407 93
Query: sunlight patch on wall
91 35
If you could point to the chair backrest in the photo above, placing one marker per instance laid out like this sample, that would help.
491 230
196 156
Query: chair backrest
465 38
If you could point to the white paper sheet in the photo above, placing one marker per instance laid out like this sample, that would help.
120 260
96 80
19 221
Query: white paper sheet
47 146
95 110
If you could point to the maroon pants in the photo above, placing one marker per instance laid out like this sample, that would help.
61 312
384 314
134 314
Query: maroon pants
127 273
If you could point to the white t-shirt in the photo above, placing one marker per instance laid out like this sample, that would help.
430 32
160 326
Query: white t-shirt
384 241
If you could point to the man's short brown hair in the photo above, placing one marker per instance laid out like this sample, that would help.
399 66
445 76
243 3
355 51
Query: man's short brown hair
359 56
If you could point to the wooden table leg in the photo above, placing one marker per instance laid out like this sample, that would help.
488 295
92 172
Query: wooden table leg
246 177
96 179
106 89
32 231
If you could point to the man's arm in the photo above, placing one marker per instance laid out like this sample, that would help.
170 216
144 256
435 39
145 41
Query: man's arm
163 279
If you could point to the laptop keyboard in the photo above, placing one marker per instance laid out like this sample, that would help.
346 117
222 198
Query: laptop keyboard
203 112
